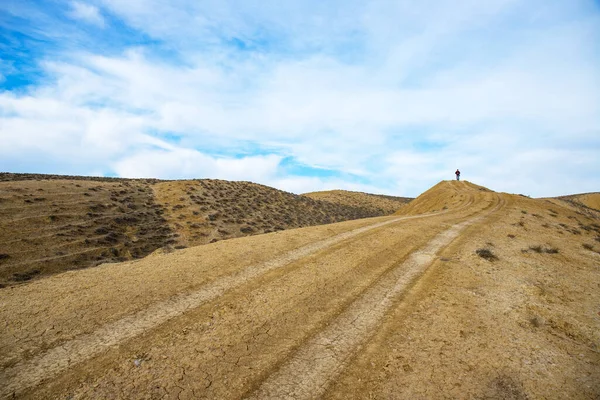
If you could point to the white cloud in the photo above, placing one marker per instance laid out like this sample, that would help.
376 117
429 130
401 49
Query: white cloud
86 12
185 163
399 94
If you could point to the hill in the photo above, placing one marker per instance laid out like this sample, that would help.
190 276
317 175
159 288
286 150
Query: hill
376 203
50 223
468 293
583 201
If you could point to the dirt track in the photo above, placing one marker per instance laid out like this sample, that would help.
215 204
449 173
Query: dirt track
312 312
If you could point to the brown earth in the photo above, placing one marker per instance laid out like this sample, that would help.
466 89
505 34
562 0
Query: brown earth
491 296
377 203
51 223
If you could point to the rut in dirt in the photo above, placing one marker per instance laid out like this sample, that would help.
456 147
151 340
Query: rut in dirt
30 373
308 372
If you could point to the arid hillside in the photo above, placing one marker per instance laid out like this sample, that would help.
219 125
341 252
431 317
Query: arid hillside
50 224
468 293
207 210
376 203
584 201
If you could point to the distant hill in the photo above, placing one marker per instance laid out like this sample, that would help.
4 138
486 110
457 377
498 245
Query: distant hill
376 203
587 200
207 210
53 223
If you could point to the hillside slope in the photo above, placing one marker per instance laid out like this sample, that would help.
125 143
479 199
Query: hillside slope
207 210
50 224
384 205
586 202
489 296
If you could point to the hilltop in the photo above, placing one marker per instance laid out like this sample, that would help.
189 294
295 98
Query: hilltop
466 293
53 223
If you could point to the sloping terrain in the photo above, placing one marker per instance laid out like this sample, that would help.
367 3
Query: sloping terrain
377 203
490 296
208 210
583 201
50 224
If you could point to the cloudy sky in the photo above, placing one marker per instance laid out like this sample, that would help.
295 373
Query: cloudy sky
379 96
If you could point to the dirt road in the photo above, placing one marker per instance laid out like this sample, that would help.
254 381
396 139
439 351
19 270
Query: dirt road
285 315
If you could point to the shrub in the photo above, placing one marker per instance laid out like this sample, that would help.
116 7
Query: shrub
540 249
588 246
25 276
487 254
537 249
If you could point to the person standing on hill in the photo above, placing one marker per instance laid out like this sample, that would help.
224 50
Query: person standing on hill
457 173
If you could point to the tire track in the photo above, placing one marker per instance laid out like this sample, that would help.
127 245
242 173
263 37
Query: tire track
308 372
30 373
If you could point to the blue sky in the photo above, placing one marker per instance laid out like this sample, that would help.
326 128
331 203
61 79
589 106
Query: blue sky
380 96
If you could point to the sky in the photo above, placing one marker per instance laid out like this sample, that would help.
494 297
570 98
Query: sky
378 96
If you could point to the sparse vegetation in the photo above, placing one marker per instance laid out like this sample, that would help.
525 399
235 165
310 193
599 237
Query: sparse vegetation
25 276
588 246
63 232
535 322
486 254
541 249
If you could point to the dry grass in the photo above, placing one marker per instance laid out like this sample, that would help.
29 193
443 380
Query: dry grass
52 223
541 249
383 205
486 254
75 224
208 210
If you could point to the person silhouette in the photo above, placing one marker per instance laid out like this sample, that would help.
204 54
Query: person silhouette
457 173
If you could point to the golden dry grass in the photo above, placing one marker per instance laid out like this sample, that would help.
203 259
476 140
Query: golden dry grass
385 205
589 200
